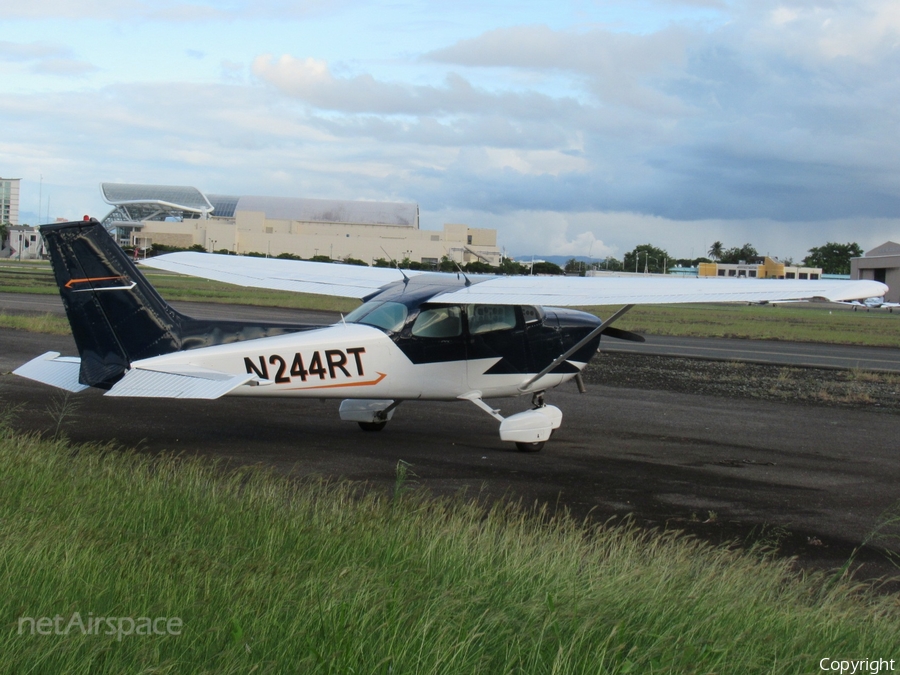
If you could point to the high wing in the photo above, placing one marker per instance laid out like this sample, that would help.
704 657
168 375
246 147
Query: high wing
363 282
346 281
650 290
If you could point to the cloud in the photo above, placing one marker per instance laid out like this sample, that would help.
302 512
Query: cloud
166 10
616 66
311 81
774 119
45 58
33 51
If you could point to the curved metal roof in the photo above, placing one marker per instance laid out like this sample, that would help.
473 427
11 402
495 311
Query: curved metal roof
333 210
183 198
135 203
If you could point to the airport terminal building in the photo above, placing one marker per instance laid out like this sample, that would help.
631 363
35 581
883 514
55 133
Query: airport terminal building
184 216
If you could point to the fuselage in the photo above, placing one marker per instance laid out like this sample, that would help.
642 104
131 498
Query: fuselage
404 344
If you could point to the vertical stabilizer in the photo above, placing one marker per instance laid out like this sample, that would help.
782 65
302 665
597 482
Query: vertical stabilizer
116 316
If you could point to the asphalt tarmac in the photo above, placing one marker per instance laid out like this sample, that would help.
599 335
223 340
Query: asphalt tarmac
816 481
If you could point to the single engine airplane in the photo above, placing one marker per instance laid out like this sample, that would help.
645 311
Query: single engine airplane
417 335
873 303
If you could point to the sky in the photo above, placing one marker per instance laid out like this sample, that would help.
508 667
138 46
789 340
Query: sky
572 127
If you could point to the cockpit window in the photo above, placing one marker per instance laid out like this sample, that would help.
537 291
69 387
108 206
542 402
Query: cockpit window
440 322
532 314
488 318
388 316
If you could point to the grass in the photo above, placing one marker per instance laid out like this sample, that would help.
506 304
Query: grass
269 575
762 322
36 323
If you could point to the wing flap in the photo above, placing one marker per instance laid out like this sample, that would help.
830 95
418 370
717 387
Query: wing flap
55 370
186 383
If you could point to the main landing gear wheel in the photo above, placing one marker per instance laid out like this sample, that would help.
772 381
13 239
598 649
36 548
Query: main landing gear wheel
530 447
373 426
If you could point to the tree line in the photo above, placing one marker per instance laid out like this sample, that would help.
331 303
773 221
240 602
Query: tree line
832 257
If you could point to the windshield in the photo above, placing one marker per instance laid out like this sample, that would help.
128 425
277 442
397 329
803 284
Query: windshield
388 316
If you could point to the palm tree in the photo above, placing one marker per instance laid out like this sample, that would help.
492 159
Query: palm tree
716 250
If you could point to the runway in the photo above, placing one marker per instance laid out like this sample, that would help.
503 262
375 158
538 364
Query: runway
819 478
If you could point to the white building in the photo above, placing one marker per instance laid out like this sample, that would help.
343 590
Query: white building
24 243
183 217
9 201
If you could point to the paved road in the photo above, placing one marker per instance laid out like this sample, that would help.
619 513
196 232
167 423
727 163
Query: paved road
764 351
723 468
754 351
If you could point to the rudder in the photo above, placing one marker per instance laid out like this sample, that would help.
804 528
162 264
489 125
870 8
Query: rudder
116 316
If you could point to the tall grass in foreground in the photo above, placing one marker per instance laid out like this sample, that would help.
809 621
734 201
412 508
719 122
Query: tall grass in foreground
270 575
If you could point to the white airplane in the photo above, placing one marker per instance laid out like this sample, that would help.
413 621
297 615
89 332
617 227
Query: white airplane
417 335
873 303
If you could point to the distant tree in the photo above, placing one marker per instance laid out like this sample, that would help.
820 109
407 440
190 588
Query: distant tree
199 248
574 266
355 261
609 263
288 256
646 257
545 268
716 250
4 230
511 267
833 258
382 262
735 255
321 258
446 264
479 267
224 251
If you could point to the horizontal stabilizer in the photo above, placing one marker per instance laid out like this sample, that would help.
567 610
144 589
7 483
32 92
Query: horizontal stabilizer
187 383
55 370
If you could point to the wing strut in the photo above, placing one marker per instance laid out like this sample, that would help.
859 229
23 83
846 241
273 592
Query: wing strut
581 343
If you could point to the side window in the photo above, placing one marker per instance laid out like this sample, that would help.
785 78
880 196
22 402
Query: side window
440 322
487 318
531 314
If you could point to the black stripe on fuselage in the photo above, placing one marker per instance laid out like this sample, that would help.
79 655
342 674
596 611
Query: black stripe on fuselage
528 347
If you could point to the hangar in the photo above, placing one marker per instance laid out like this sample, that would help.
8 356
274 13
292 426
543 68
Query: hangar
882 264
183 216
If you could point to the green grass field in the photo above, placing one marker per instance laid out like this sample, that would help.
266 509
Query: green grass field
268 575
782 322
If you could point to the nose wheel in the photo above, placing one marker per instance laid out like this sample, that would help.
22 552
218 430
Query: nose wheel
530 447
372 426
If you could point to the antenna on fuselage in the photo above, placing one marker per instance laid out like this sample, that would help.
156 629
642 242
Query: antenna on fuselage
397 265
459 270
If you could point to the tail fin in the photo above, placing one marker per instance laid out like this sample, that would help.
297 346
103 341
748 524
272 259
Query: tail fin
116 315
